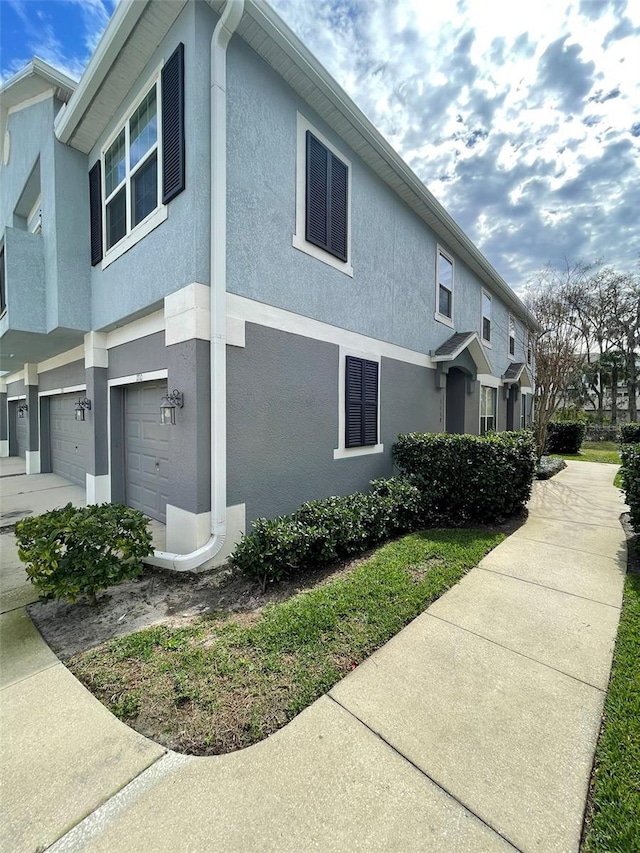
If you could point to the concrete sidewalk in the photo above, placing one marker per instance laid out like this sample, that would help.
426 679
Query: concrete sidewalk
472 730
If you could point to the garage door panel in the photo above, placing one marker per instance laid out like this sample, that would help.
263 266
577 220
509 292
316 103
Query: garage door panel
69 439
147 455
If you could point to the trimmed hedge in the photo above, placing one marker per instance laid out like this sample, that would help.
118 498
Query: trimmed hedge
630 455
322 532
464 478
565 436
630 433
76 550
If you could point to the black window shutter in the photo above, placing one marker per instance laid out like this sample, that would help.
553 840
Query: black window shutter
95 212
173 155
327 193
361 402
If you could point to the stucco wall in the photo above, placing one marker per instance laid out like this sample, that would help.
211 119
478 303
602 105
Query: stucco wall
139 356
62 377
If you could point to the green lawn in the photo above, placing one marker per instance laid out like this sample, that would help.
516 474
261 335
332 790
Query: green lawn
222 683
613 821
595 451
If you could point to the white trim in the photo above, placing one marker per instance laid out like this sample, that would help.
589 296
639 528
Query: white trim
490 380
95 350
32 461
4 448
69 389
17 397
496 397
187 314
98 488
133 379
235 332
68 357
242 308
157 217
141 328
186 531
486 341
342 452
18 376
442 318
298 240
236 528
31 374
30 102
512 355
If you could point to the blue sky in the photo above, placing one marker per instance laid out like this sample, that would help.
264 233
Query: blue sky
524 123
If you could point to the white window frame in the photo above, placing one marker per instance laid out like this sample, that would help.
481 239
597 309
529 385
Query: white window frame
342 452
299 240
34 218
442 318
159 214
511 337
494 391
486 341
529 352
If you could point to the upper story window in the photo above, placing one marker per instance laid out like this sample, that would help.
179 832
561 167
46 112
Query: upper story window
444 288
486 317
512 335
141 168
323 200
529 348
488 408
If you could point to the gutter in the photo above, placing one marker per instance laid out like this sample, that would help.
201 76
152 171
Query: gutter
225 28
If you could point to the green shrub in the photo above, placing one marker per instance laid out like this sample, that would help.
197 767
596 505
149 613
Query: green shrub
630 433
630 455
565 436
464 478
73 550
324 531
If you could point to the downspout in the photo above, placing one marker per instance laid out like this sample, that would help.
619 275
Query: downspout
225 28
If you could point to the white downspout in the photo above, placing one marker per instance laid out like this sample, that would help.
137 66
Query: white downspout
225 28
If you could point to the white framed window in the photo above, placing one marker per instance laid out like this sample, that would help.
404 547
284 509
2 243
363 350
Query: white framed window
529 348
486 318
444 287
488 408
358 404
512 336
34 219
323 199
523 411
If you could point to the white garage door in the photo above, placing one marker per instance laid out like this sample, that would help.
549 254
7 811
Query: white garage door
147 443
69 439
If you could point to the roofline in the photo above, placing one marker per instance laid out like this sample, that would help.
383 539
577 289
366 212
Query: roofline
122 23
42 69
471 338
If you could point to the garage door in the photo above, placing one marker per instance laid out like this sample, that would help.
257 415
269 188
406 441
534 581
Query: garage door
147 444
21 431
69 439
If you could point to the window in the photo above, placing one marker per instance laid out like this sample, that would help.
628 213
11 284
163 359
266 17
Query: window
142 167
512 335
3 296
361 402
488 405
486 317
523 411
529 348
444 284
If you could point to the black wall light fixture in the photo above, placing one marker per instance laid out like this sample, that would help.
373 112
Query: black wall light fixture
82 406
168 405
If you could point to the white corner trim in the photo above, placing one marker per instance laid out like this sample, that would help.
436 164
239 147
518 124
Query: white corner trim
75 354
31 374
96 353
186 531
68 389
489 380
236 529
98 488
242 308
187 314
299 241
342 452
149 376
4 448
32 461
141 328
235 332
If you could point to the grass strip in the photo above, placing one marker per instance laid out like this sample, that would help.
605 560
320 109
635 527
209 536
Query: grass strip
594 451
613 820
224 682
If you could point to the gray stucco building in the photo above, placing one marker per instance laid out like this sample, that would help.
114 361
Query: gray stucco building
207 212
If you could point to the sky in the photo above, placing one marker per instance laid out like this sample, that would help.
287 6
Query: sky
522 119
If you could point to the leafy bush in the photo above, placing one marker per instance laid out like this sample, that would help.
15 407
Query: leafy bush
601 432
466 478
548 467
71 551
630 433
630 455
324 531
565 436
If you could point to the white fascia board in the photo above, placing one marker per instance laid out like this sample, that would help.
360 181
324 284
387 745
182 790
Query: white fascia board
476 351
125 17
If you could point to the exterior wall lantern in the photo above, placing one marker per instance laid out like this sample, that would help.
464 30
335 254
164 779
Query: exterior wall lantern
168 405
22 410
82 406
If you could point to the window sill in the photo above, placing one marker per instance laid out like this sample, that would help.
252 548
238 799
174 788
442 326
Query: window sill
442 318
320 255
487 344
138 233
349 452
